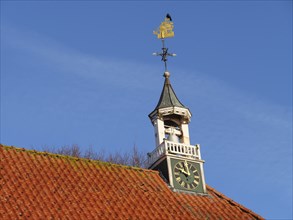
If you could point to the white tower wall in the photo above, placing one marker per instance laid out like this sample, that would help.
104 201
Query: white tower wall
185 134
159 131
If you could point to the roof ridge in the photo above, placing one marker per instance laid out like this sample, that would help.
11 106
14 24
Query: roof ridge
61 156
232 202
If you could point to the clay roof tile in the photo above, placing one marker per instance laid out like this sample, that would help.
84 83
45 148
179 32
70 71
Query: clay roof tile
38 185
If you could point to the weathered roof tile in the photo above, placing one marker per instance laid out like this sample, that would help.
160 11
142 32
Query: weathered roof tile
38 185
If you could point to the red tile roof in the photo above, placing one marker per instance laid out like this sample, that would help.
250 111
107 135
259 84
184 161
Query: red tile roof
36 185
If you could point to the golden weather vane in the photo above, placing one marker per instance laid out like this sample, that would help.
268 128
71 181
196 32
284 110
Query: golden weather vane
165 31
166 28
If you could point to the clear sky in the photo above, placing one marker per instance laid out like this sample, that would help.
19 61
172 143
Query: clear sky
82 72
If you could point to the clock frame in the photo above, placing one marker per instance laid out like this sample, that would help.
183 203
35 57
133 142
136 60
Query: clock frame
187 175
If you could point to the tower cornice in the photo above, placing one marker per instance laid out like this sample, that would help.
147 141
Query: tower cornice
183 112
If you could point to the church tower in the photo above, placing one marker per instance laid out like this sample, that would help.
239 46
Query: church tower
178 162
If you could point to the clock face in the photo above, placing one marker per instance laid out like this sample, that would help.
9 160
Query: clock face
186 175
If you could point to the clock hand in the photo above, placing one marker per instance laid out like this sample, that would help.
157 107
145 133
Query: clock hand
186 167
182 170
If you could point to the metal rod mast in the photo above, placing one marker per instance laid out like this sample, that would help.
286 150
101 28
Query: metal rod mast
165 31
164 54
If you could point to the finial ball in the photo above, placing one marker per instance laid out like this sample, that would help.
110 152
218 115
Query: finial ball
166 74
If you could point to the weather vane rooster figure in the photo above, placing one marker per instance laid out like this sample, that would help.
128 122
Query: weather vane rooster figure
165 31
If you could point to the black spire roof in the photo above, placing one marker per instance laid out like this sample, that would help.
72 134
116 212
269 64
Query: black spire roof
168 97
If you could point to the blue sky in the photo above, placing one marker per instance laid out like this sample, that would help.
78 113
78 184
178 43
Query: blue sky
82 72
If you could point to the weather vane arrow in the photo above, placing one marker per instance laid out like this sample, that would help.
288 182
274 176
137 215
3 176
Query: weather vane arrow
165 30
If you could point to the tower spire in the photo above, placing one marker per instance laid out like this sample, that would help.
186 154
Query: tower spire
165 30
178 161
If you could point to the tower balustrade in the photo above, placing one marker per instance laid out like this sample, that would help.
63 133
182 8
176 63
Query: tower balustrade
173 148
